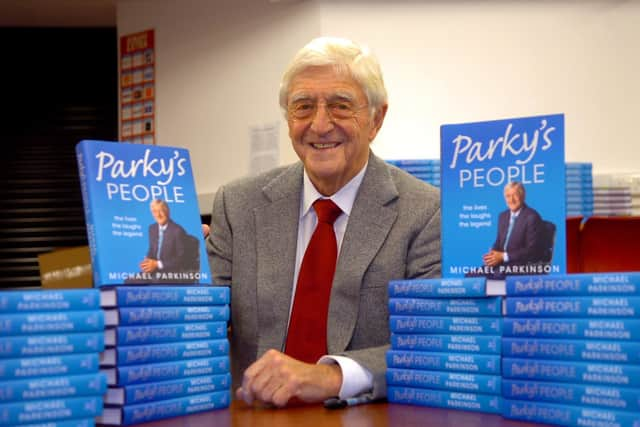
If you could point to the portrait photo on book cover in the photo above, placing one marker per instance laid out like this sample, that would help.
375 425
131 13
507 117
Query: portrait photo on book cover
173 255
524 240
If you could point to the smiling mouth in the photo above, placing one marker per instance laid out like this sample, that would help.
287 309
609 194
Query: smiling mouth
324 146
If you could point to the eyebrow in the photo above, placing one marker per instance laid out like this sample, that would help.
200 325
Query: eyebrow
336 96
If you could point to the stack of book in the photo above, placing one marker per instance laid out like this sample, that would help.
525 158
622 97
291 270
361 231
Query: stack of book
49 357
579 189
427 170
445 344
167 352
612 195
571 354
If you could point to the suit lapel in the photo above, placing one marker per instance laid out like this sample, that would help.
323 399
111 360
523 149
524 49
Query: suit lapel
372 216
276 242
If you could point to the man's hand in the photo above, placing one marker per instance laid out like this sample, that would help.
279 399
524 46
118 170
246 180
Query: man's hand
275 378
493 258
149 265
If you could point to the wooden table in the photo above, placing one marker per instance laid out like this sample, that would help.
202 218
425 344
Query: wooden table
370 415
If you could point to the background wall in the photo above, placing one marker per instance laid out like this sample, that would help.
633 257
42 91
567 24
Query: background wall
219 64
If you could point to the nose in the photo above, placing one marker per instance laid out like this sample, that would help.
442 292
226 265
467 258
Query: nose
321 122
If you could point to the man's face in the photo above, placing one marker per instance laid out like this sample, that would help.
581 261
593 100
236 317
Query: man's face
159 214
333 141
513 199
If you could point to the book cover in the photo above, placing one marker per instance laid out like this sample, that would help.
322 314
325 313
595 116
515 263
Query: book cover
145 412
441 380
459 362
48 345
492 169
132 316
163 390
438 288
142 215
156 334
50 409
445 325
30 301
615 306
446 306
30 367
580 350
595 284
593 329
480 344
53 387
152 296
143 354
445 399
51 322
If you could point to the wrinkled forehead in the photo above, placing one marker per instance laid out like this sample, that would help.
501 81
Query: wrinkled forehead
328 82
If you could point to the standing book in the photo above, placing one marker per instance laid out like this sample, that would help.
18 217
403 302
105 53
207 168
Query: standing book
142 214
490 169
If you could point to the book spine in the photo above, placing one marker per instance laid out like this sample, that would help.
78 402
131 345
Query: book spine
48 366
150 296
621 307
445 399
145 412
598 329
50 322
438 288
445 325
49 300
471 383
580 350
572 372
618 284
41 345
567 415
446 307
617 398
156 334
459 362
138 374
50 409
163 390
447 343
131 316
135 355
82 154
76 422
53 387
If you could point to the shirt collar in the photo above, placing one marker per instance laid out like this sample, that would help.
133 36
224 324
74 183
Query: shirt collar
344 198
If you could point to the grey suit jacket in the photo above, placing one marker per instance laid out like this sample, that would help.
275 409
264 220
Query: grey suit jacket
393 233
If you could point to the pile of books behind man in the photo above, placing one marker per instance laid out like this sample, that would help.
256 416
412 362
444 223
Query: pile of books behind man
445 344
571 350
427 170
49 363
579 181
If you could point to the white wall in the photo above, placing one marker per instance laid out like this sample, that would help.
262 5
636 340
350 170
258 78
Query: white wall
219 64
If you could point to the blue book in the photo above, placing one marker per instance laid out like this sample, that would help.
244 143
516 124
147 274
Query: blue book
445 399
49 300
145 412
76 422
157 334
572 372
482 344
438 288
163 390
619 398
445 325
593 329
47 345
155 353
152 296
30 367
129 316
446 306
478 161
53 387
614 306
580 350
137 374
567 415
431 361
50 409
596 284
142 215
51 322
470 383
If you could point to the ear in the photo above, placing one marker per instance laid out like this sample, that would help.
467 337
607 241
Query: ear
377 120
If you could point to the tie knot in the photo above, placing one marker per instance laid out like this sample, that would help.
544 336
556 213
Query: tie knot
326 210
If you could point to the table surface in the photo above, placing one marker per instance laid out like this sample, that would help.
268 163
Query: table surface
371 415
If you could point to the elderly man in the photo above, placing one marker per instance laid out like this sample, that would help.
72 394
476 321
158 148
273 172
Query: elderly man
309 248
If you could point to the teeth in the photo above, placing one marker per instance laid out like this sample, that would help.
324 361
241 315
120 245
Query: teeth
324 145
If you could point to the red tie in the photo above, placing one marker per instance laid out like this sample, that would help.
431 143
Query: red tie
307 335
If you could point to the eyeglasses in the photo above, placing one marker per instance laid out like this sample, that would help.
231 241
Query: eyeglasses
337 110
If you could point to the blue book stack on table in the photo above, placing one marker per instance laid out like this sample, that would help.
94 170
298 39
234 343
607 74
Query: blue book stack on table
49 356
445 344
571 349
